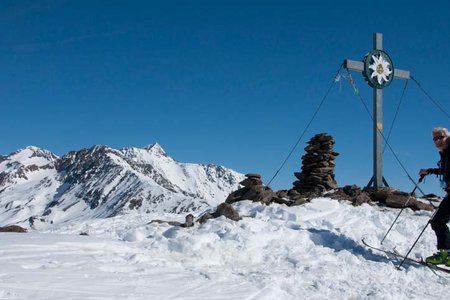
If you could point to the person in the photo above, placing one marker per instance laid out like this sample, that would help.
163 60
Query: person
442 216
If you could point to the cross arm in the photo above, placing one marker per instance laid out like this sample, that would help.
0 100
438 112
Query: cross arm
354 65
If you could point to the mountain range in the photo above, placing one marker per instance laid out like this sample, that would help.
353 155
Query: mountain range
98 182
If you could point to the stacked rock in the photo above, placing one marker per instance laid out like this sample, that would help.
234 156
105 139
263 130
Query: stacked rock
252 179
253 189
317 166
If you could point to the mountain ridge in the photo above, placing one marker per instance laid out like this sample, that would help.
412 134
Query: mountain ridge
37 186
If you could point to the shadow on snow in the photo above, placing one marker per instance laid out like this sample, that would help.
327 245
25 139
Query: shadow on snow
339 242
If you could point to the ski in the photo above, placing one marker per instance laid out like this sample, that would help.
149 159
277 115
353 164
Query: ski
411 260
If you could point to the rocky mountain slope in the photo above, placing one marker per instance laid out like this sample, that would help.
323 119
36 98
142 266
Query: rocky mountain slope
38 186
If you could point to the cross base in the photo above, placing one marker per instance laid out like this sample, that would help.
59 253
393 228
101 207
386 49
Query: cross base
372 182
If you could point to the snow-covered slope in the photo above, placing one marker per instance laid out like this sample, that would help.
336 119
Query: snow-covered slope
313 251
28 182
38 186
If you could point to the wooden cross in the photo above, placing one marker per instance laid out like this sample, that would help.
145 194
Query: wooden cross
377 179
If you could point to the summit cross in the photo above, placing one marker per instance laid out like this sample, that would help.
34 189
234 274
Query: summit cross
379 74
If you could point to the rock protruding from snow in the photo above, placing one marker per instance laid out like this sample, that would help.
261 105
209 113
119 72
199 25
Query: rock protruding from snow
253 189
189 221
318 164
13 228
386 196
224 209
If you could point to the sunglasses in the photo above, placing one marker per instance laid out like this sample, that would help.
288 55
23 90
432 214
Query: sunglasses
437 138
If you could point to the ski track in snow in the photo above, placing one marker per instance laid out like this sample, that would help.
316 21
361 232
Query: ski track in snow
312 251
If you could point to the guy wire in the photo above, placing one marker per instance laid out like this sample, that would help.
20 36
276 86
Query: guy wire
307 126
384 138
431 98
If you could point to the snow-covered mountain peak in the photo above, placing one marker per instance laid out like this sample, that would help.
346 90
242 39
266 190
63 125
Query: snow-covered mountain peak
31 155
156 149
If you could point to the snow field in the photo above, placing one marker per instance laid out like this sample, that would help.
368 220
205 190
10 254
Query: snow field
312 251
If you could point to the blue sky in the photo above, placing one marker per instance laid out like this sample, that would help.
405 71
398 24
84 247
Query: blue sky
232 83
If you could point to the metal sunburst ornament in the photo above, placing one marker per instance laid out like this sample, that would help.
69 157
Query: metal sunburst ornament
378 69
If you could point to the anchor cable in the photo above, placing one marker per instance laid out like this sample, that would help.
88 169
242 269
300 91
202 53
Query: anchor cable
396 113
307 126
431 98
381 133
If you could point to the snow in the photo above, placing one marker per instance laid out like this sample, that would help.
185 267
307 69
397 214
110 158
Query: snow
32 186
313 251
32 155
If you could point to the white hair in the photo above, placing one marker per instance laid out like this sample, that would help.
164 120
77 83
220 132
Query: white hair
441 129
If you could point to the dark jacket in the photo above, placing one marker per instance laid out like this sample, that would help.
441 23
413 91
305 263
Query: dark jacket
444 167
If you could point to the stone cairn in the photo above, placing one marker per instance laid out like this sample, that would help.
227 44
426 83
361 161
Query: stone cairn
317 175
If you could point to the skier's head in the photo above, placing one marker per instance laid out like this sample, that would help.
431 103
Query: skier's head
441 138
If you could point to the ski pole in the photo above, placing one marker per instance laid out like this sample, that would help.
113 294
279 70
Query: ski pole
404 206
423 230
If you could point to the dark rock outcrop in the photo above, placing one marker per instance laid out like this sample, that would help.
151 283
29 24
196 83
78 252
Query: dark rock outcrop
253 189
394 198
389 197
12 228
189 221
224 209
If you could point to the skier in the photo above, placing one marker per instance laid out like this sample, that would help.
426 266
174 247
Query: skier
439 222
